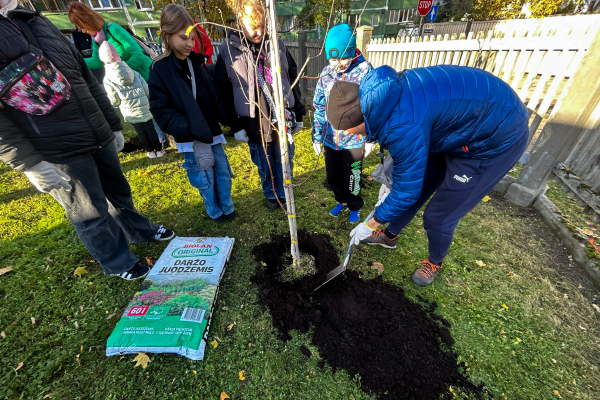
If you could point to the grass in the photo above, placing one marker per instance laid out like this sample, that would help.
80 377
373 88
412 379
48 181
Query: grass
522 329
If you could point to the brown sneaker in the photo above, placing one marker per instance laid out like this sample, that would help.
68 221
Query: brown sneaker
426 274
378 238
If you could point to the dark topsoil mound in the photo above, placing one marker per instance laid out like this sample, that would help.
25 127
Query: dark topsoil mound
365 327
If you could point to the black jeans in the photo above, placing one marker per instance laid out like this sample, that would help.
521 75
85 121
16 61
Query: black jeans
344 168
101 209
147 135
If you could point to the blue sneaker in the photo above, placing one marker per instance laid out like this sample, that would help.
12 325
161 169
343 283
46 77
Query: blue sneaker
337 210
354 217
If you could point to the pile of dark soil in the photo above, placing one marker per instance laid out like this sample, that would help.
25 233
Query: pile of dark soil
398 347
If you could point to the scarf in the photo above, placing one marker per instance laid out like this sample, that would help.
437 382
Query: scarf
100 37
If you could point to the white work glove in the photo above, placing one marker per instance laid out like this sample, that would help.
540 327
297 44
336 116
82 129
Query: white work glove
298 127
46 177
119 141
290 137
370 147
383 193
362 231
318 149
241 136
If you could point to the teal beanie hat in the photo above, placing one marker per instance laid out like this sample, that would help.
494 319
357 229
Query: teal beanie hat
340 42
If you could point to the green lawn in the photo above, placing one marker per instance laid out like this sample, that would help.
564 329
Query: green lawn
523 330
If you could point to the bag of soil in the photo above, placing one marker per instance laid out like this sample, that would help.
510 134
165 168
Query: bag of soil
172 310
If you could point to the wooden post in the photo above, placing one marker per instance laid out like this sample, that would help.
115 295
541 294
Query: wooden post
363 37
281 129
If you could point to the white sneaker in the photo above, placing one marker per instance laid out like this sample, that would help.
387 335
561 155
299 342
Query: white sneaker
161 153
151 154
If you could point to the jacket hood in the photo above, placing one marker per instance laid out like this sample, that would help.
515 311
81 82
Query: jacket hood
380 92
121 73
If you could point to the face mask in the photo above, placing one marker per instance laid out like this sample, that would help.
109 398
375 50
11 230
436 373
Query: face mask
340 65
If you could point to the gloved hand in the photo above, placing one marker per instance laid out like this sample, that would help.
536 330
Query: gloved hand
318 149
46 177
241 136
298 127
362 231
290 137
119 141
383 193
370 147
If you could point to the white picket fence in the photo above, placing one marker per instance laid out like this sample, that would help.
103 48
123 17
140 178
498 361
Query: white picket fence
536 57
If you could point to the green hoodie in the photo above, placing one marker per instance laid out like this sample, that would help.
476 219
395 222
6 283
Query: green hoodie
126 46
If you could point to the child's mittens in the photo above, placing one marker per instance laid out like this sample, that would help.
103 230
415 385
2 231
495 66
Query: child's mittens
317 148
241 136
204 155
119 141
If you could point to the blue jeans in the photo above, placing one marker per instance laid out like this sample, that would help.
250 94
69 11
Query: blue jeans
459 185
214 185
161 134
257 154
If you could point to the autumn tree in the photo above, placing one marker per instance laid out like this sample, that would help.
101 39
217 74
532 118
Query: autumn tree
316 12
204 10
483 10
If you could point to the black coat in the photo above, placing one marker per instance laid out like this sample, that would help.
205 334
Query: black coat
172 103
83 123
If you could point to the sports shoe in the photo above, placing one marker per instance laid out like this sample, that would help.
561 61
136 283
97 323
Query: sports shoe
161 153
354 217
426 274
136 272
164 234
378 238
337 210
231 216
220 219
272 204
151 154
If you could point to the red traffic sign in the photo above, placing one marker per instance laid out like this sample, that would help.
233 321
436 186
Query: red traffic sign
424 7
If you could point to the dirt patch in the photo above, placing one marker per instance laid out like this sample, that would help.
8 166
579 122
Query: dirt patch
399 348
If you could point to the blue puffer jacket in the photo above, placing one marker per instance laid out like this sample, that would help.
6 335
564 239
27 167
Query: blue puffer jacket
462 111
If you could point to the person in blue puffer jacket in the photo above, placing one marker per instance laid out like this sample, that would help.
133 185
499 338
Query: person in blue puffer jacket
343 153
453 131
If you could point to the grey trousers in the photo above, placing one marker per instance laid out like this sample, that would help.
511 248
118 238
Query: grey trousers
101 209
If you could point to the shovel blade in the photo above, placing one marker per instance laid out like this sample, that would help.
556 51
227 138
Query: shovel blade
332 274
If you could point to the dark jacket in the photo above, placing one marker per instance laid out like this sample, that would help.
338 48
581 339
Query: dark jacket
234 89
173 105
461 111
83 123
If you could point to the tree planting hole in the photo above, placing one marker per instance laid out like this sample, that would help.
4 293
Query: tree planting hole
399 348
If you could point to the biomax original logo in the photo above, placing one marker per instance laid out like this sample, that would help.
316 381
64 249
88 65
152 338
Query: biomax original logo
194 250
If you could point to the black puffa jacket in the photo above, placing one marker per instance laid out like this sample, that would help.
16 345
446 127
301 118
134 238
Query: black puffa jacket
83 123
172 103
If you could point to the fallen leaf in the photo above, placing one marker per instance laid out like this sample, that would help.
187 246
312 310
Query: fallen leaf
580 287
194 371
596 307
224 396
556 393
241 374
518 340
33 320
214 344
81 308
48 259
81 348
80 271
111 315
565 296
142 359
582 328
48 396
574 383
369 178
19 365
378 267
480 263
3 335
217 339
149 261
77 359
505 306
230 326
503 265
76 325
486 199
5 270
554 361
46 269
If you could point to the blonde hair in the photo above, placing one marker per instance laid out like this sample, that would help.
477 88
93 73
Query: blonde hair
255 10
84 17
174 18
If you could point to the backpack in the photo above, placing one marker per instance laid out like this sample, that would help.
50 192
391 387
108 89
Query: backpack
145 47
31 83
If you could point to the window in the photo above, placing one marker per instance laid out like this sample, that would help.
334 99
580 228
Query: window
144 5
352 20
285 23
407 15
375 19
393 17
100 4
26 4
46 5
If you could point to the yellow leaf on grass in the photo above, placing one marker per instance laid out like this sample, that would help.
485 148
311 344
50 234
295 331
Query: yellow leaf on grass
142 359
5 270
480 263
214 344
505 306
486 199
80 271
242 375
19 365
230 326
556 393
224 396
194 371
378 267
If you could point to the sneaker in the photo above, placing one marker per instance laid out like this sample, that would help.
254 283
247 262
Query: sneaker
231 216
272 204
378 238
426 274
337 210
164 234
220 219
136 272
283 203
354 217
161 153
151 154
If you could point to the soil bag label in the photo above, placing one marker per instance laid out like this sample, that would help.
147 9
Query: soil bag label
172 309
